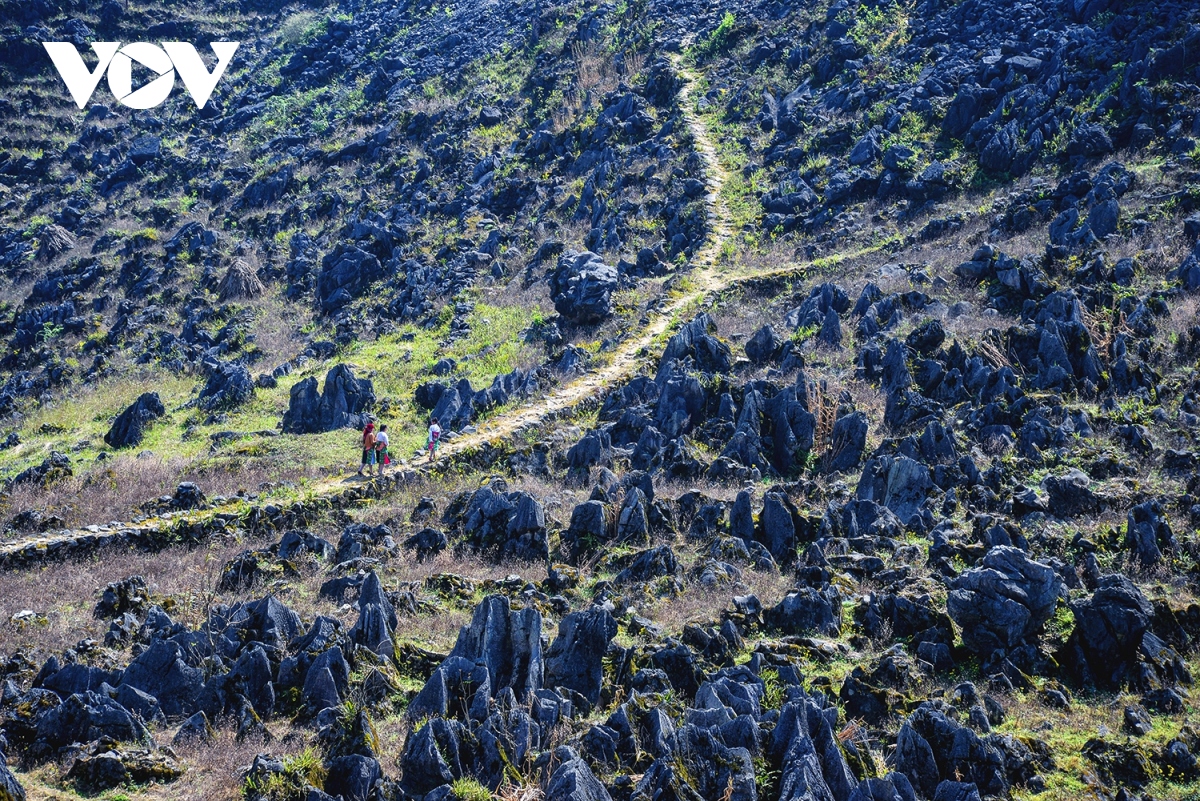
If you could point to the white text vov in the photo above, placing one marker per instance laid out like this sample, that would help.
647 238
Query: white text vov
165 59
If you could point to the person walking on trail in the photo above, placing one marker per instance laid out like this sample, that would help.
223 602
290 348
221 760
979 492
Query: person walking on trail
368 448
435 436
381 448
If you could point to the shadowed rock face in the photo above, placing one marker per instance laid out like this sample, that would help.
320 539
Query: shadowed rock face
130 426
344 402
508 643
228 386
84 717
574 658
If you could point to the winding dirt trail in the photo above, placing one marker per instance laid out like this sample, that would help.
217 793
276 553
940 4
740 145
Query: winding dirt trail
706 277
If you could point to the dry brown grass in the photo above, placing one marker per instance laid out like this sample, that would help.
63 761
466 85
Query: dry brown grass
698 604
974 324
276 323
870 400
433 103
66 592
597 72
1156 251
694 605
738 317
1184 314
213 772
593 66
112 490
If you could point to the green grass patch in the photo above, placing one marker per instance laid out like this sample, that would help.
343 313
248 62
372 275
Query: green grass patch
468 789
299 771
879 29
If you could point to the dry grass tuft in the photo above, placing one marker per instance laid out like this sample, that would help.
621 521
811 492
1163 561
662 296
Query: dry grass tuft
698 604
214 772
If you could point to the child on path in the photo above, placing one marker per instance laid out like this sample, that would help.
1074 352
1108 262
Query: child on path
435 435
368 448
381 448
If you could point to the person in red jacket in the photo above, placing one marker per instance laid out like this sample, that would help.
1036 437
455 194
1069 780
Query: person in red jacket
368 449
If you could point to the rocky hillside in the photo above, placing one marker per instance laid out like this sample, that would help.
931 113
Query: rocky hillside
819 383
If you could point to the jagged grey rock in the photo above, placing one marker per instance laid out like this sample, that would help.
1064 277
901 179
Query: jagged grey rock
1005 602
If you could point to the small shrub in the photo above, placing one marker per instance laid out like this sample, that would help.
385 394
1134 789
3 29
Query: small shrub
300 28
773 695
879 29
804 332
36 224
49 331
299 771
468 789
720 38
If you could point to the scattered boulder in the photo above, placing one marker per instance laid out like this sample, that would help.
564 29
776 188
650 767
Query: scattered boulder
119 597
352 777
507 642
898 483
1070 495
54 240
229 385
1148 533
1119 764
650 564
932 748
376 619
54 467
160 671
102 767
777 524
196 730
1005 602
582 287
1089 140
764 346
1110 626
129 428
426 543
573 780
86 717
589 527
806 611
848 441
346 273
295 543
